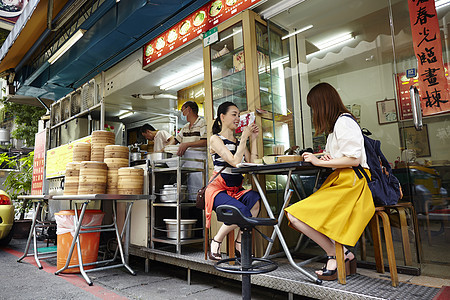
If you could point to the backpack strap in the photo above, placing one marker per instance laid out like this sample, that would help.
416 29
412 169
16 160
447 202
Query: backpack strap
360 172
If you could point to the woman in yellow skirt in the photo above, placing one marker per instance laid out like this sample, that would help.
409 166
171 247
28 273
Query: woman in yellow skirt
343 206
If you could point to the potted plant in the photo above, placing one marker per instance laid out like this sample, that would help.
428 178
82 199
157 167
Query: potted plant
18 182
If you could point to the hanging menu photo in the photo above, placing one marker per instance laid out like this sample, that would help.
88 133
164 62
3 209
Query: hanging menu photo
205 18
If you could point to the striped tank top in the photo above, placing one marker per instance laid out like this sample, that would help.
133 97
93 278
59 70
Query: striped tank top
231 179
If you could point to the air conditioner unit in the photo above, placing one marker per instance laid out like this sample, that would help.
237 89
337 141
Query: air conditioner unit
75 102
88 95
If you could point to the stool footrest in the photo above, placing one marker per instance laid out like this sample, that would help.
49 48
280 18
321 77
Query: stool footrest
266 266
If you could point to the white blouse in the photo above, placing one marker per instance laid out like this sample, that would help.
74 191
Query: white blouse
346 140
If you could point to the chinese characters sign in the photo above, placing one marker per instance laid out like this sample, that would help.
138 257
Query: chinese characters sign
38 163
428 49
205 18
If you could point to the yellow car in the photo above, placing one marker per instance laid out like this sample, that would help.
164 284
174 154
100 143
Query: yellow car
6 218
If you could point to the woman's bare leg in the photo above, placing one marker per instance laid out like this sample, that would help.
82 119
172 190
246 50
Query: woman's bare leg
322 240
254 211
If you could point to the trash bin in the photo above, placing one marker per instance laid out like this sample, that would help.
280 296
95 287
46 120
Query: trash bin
89 242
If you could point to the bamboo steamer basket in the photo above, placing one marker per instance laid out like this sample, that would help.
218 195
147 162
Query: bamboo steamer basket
71 178
116 151
99 140
130 181
116 163
81 152
92 178
102 135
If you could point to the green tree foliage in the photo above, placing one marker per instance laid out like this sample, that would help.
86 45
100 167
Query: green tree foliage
18 182
26 119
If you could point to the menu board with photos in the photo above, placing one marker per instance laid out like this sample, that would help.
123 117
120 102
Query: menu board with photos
203 19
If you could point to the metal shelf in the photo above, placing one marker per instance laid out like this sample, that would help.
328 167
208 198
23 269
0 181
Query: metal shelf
174 242
178 206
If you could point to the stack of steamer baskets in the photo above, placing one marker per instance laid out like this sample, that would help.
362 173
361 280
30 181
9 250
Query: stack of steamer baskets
100 139
92 179
116 157
130 181
72 178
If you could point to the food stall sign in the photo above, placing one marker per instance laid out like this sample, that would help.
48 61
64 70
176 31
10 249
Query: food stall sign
38 163
210 37
427 45
59 157
191 27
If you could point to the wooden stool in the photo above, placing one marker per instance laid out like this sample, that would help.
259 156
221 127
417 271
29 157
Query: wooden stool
375 228
376 236
401 210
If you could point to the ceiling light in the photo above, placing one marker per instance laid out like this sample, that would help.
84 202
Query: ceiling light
441 3
181 78
66 46
126 115
335 41
154 96
279 7
297 32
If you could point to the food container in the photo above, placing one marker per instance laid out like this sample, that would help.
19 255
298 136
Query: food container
135 156
158 156
169 193
186 226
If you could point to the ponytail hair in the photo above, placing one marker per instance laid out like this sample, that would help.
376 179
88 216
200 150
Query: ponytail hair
221 110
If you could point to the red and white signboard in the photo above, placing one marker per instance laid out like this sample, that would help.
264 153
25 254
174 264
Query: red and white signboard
428 49
205 18
39 163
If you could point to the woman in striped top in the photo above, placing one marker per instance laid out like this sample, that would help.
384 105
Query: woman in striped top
226 188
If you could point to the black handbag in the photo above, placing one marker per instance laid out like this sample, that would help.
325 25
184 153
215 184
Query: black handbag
200 201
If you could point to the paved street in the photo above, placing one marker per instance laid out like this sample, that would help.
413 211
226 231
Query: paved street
25 281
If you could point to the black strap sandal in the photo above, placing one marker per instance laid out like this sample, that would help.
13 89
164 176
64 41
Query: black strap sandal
237 253
328 275
214 256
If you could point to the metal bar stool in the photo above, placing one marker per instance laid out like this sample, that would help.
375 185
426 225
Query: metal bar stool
246 265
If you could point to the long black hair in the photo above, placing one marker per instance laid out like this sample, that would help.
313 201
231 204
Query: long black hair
221 110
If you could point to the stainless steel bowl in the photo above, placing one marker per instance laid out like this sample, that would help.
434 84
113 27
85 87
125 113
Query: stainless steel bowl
135 156
186 226
158 155
170 194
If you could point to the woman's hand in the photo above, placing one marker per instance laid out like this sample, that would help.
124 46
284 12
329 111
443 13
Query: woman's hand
255 131
309 157
326 157
251 130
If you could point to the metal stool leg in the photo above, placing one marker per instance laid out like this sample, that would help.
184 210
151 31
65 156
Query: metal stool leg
32 233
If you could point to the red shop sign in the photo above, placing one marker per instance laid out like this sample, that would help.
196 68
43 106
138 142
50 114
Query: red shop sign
205 18
428 50
38 163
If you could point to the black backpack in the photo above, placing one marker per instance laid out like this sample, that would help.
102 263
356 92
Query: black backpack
384 186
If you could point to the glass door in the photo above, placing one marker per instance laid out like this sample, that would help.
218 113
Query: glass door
422 58
353 45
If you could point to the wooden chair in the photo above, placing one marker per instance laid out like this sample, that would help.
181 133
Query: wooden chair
375 228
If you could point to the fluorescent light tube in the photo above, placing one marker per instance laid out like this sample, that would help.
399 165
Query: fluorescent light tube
335 41
66 46
441 3
126 115
182 78
297 32
279 7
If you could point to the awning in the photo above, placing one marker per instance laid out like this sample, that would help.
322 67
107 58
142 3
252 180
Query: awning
116 30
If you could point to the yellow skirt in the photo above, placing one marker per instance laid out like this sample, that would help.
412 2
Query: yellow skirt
340 209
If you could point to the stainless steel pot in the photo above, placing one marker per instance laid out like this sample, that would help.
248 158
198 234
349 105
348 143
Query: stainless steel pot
158 156
186 227
135 156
